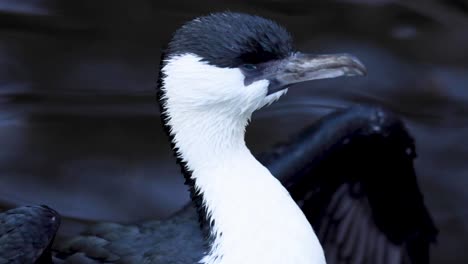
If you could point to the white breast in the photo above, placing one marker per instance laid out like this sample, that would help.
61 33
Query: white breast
256 220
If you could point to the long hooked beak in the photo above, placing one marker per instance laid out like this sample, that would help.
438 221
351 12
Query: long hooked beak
301 67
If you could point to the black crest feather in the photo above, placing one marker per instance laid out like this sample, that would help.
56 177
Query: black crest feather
231 39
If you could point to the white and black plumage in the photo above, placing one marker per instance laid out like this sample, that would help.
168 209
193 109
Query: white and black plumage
216 72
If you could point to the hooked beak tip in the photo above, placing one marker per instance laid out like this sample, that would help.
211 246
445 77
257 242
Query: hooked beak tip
354 66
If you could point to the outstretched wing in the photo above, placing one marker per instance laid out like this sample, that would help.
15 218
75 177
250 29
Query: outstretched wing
352 175
26 234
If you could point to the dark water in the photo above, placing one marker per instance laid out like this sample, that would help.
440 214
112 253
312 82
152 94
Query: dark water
79 127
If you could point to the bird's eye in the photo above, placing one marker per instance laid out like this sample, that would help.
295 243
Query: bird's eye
249 67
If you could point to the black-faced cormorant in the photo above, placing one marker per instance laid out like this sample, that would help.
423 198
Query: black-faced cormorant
350 175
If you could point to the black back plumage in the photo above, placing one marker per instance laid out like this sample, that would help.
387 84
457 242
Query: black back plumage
26 234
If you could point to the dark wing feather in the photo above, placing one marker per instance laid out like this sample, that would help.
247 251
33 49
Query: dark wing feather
26 234
352 174
357 239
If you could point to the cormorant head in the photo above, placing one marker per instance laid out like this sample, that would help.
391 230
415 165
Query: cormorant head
236 63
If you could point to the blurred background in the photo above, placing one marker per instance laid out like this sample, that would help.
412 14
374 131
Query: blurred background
79 123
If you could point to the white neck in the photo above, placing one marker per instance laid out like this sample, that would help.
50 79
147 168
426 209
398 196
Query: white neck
255 219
